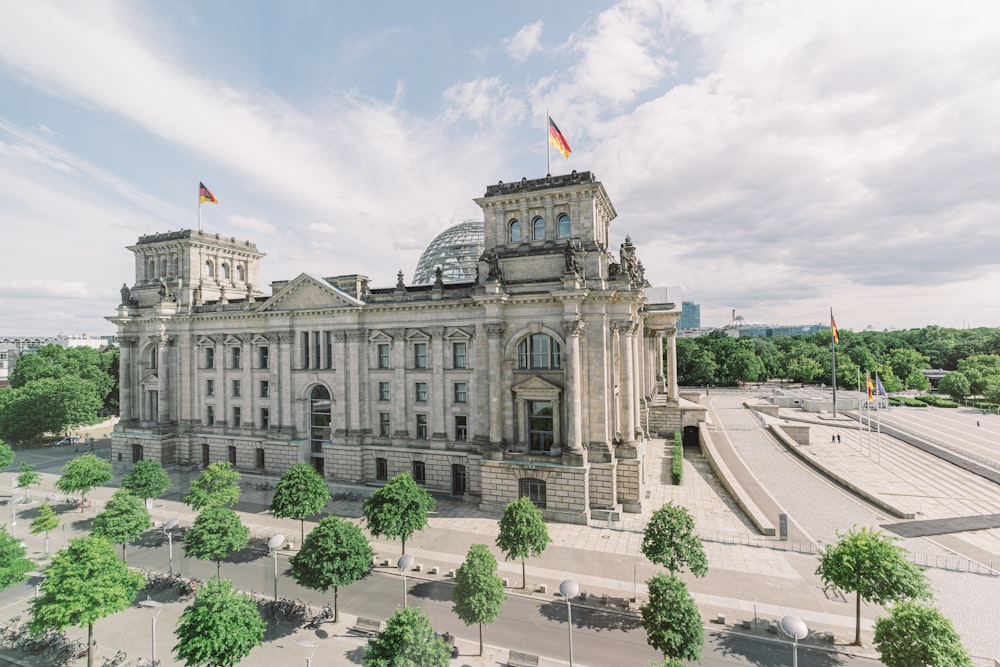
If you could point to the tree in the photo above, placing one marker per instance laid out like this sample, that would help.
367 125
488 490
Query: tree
83 474
917 634
14 564
408 640
218 484
6 453
671 619
84 583
955 384
219 628
148 479
334 554
522 533
478 594
216 533
670 540
27 478
867 562
124 519
48 406
398 509
300 492
45 522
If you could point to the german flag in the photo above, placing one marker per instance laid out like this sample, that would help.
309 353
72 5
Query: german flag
833 329
557 139
871 387
205 195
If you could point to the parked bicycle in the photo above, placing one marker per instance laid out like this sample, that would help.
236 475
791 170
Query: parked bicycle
325 614
115 660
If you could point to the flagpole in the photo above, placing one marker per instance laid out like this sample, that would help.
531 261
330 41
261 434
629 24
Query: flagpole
861 417
833 364
878 418
548 151
199 207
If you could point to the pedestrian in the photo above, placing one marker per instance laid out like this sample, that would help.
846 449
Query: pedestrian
977 423
838 438
833 438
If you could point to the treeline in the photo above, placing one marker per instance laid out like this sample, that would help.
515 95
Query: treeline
897 356
56 389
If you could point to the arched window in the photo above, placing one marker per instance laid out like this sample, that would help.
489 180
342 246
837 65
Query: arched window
209 269
538 229
152 269
225 271
539 351
534 489
153 358
563 226
163 266
241 273
515 231
319 418
177 266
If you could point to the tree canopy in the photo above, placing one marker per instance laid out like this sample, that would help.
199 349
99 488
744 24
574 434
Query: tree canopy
27 478
670 540
300 492
918 634
219 628
47 406
45 522
216 533
217 484
84 473
6 455
522 533
334 554
398 509
868 562
14 563
671 619
148 479
408 640
124 519
478 594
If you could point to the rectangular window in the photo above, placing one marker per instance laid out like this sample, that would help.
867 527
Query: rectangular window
260 457
458 479
209 357
420 393
422 427
461 428
540 426
458 355
383 391
265 418
237 387
420 355
305 349
263 357
232 455
237 417
209 415
419 472
210 387
381 469
383 355
383 424
461 392
235 357
265 389
328 338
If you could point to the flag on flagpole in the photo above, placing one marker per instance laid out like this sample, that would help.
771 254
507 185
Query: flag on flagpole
879 389
205 195
833 329
557 139
871 387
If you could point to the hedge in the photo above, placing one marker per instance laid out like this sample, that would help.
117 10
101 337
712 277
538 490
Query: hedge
677 464
937 401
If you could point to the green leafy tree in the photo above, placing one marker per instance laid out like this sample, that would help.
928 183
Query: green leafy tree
218 484
867 562
27 478
671 619
124 519
478 594
398 509
45 522
219 628
47 406
14 564
522 533
148 479
216 533
670 540
917 634
956 385
300 492
84 583
408 640
82 474
336 553
6 453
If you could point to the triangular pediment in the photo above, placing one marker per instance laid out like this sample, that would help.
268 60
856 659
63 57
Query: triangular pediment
536 385
307 292
151 381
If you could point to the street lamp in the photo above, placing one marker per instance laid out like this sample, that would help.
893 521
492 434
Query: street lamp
273 544
13 515
569 589
159 608
170 540
404 563
795 628
38 584
308 643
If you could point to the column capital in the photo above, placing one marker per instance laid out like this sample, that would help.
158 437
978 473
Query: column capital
354 335
573 327
128 341
494 330
284 336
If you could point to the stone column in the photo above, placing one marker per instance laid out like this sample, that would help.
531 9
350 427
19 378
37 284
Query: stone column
494 333
397 361
355 398
574 402
163 378
627 388
282 390
437 387
637 376
126 373
671 380
345 356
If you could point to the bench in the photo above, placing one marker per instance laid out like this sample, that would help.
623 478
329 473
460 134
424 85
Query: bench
518 659
367 626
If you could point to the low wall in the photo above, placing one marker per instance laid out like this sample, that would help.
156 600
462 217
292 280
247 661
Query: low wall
731 483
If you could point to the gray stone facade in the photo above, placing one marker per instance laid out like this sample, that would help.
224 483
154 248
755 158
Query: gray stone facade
533 379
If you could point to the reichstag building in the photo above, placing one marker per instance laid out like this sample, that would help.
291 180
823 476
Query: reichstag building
526 358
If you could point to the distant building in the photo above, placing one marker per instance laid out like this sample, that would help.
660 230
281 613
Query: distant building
11 347
690 316
742 328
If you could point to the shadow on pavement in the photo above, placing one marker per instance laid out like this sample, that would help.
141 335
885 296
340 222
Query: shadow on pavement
756 651
356 656
590 618
432 590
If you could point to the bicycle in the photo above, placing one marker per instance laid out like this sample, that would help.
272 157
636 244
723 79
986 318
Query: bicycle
115 660
143 662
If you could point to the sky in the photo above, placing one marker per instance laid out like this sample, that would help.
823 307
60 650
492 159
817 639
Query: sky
776 157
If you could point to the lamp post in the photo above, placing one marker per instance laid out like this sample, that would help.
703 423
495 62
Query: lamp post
795 628
13 515
273 544
404 563
569 589
170 541
38 584
308 643
159 607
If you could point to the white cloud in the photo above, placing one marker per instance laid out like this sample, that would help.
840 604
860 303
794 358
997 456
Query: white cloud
525 42
486 101
252 224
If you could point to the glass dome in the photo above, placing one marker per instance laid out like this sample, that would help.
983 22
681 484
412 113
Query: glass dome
456 250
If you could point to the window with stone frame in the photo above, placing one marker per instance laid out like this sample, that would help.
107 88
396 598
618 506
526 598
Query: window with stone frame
538 229
382 355
237 416
420 355
461 428
210 387
541 428
209 357
539 352
265 418
381 469
263 357
461 392
419 472
459 355
236 357
265 389
422 426
533 489
384 425
209 415
564 226
237 388
514 231
420 392
383 391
